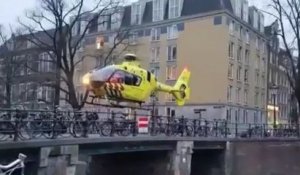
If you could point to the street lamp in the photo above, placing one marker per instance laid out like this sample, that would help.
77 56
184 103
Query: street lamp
273 91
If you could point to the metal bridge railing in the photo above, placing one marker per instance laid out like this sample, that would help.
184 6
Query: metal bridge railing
18 125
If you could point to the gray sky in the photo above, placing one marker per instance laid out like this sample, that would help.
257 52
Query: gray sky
11 9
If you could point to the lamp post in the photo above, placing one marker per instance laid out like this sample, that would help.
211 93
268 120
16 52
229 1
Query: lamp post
273 91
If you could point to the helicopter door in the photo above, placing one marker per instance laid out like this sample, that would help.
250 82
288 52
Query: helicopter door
134 81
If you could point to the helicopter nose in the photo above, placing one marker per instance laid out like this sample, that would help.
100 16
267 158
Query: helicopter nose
97 84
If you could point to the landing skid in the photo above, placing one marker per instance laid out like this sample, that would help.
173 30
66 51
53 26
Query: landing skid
113 103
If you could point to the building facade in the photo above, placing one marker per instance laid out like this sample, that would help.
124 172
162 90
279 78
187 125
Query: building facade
222 42
24 70
279 89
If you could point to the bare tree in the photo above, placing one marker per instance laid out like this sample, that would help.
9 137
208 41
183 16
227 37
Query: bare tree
287 12
65 37
10 64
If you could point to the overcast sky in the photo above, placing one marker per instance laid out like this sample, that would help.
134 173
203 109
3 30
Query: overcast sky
11 9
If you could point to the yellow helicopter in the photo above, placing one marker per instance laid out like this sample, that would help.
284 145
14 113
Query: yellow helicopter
128 82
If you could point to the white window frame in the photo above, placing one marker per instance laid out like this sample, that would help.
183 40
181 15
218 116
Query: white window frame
246 75
231 27
171 72
247 37
172 32
231 50
246 92
155 53
136 13
247 56
155 71
170 53
239 73
240 53
174 8
229 93
116 19
158 10
155 34
230 71
238 95
133 38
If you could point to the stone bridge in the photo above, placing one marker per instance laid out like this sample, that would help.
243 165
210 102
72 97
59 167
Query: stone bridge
156 155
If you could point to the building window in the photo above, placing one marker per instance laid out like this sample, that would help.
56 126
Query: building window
257 42
116 19
46 63
133 37
136 13
246 76
263 81
170 97
256 98
217 20
174 8
171 72
247 56
22 92
172 32
239 54
263 99
237 119
155 34
15 92
238 73
238 95
245 96
257 79
245 116
31 91
155 54
170 112
228 115
241 33
46 94
172 53
264 64
231 50
230 71
247 37
158 9
231 27
102 22
155 71
229 93
257 62
255 117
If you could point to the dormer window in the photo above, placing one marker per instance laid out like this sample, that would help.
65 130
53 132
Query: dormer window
158 8
174 8
136 13
102 22
116 20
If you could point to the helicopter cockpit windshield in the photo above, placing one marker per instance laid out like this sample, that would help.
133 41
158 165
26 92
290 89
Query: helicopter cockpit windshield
104 74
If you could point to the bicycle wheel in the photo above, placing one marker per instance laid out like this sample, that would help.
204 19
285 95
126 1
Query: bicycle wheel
106 129
76 129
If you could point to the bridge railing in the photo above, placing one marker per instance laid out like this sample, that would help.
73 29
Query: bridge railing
27 125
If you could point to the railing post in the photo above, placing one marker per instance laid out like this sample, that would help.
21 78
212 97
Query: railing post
134 129
195 127
236 129
206 128
226 129
112 123
217 128
183 128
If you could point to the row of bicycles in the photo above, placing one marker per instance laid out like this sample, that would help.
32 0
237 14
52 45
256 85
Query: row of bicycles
22 125
26 125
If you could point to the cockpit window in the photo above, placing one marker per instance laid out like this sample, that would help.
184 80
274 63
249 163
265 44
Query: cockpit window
125 78
105 73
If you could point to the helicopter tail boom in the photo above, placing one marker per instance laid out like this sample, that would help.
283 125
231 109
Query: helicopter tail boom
181 90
